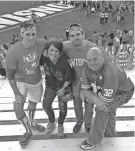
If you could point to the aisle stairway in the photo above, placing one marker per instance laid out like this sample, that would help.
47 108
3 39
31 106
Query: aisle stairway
12 130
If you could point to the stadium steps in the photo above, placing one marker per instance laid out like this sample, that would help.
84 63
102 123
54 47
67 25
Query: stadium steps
109 144
12 130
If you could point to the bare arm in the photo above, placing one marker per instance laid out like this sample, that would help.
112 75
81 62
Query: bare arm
11 77
66 84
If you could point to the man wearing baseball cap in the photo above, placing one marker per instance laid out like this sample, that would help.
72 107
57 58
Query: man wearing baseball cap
76 49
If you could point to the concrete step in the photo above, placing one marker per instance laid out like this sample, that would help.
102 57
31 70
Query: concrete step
14 132
109 144
40 114
5 87
7 107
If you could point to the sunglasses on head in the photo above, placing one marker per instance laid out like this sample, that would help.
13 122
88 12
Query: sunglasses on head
74 25
27 25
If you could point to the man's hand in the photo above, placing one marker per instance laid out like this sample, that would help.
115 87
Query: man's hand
19 98
61 92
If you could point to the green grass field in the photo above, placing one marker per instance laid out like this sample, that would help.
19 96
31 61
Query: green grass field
54 25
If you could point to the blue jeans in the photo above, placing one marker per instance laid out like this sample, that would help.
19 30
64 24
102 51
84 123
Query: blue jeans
104 122
49 96
78 107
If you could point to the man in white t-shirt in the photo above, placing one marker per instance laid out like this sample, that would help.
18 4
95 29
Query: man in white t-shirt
101 17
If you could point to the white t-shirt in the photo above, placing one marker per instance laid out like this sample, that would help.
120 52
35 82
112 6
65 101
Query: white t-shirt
67 29
102 15
93 9
131 32
106 15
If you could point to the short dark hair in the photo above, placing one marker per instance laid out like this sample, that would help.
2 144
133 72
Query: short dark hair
56 43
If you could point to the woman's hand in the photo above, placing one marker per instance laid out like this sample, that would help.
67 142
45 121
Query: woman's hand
61 92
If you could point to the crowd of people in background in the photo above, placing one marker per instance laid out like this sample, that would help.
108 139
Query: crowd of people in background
112 41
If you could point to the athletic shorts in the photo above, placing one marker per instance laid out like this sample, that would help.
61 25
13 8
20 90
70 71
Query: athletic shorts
93 12
122 18
124 42
32 92
110 44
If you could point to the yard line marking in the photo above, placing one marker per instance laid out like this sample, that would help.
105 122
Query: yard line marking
42 18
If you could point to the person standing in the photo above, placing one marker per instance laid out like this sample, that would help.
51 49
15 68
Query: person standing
67 32
58 83
76 49
101 17
24 75
105 17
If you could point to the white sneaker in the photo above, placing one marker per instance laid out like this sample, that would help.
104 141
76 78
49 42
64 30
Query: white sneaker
85 145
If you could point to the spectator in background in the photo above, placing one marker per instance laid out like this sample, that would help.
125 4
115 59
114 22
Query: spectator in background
98 6
13 39
105 17
131 35
45 37
102 17
118 17
93 10
67 32
3 50
110 43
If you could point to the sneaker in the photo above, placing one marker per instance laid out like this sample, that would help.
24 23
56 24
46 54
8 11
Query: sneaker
85 145
25 139
50 127
38 127
60 131
77 128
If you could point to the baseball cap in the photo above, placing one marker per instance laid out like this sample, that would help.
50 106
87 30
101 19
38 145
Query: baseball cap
75 26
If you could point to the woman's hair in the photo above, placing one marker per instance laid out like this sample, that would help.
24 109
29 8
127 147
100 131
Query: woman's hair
56 43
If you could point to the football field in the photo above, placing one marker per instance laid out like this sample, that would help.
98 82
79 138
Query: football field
54 24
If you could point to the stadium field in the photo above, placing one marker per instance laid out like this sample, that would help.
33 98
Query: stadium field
54 24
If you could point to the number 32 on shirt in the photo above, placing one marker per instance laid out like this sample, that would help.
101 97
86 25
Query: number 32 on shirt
108 92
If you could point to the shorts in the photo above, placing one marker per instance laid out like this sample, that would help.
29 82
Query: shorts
110 44
122 18
124 42
32 92
92 12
